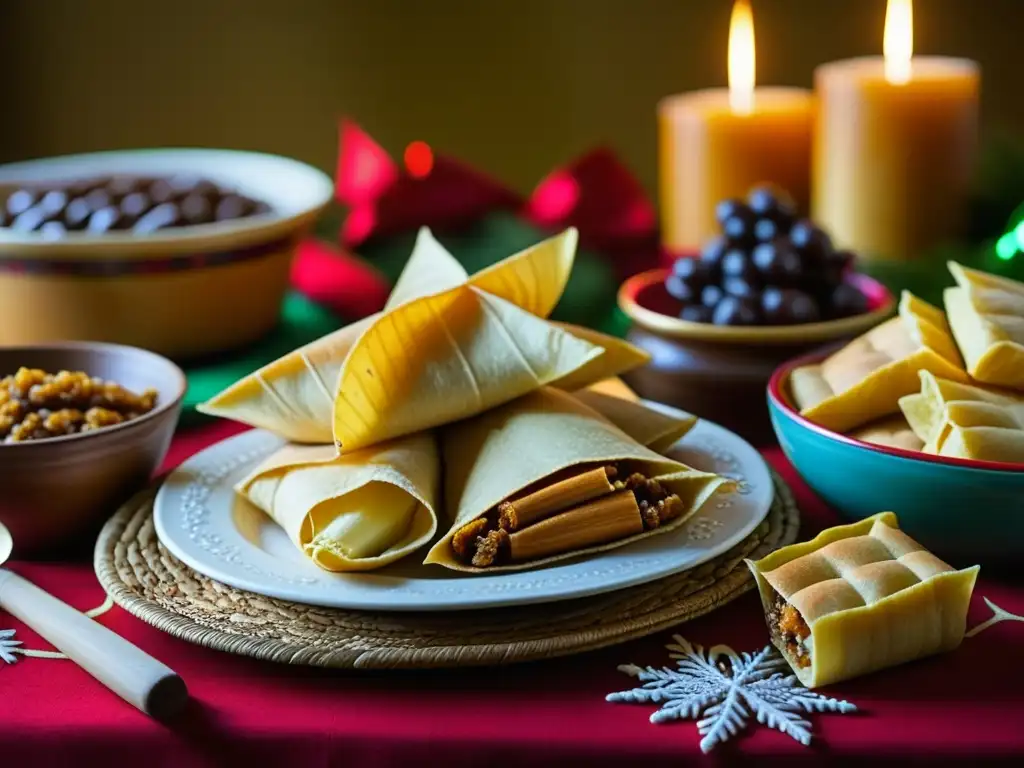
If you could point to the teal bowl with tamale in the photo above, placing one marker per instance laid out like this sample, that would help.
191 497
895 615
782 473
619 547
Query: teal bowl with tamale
965 511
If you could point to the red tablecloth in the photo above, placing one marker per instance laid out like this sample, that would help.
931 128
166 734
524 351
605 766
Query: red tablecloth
964 706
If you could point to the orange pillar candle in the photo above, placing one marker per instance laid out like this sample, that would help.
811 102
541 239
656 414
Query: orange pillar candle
895 146
718 143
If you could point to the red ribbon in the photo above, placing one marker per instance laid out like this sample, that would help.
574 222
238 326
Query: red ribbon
596 193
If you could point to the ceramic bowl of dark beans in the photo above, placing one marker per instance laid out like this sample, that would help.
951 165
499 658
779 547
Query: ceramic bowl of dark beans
186 252
717 323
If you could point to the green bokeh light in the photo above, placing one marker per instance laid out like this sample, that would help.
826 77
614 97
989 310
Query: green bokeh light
1008 245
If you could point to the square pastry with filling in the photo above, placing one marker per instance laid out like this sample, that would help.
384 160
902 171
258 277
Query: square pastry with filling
859 598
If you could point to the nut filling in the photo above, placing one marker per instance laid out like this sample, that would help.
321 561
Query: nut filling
789 630
586 508
35 405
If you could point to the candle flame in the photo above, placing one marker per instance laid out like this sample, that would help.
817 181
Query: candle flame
898 42
741 58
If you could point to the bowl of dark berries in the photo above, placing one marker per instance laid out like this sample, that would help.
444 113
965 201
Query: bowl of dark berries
185 252
770 287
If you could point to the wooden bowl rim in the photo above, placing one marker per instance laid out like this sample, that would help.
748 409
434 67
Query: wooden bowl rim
675 328
178 375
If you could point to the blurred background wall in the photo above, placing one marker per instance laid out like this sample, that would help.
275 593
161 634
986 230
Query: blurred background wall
514 87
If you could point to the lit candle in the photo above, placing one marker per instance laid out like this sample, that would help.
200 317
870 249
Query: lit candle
718 143
895 147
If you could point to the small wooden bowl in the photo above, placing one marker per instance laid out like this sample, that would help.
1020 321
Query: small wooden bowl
52 491
185 292
720 372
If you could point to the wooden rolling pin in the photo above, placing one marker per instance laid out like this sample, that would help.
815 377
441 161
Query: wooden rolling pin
135 676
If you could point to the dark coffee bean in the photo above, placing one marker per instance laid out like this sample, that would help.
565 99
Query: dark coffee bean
122 186
711 295
106 220
679 289
5 217
812 243
738 229
20 201
135 204
76 215
737 263
29 220
162 191
163 216
53 230
53 202
196 209
733 310
712 255
696 313
232 207
98 198
777 263
846 301
691 270
726 209
737 286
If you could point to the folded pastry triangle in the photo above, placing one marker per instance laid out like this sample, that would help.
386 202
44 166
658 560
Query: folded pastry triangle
442 358
967 422
445 347
864 380
430 269
294 395
986 314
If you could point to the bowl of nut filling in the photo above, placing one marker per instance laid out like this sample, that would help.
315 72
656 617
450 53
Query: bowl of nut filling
83 426
186 252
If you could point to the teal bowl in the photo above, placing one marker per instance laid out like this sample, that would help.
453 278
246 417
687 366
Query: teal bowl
964 511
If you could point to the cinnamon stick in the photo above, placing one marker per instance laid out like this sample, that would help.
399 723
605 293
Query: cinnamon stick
613 517
519 513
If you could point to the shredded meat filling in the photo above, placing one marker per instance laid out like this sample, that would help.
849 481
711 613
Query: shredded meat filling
789 628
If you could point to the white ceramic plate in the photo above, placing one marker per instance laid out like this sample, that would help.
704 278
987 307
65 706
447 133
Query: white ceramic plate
201 521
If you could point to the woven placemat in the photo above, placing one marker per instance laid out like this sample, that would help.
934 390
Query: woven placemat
147 581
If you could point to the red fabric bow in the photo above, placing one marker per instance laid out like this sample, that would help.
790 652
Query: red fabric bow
427 190
598 195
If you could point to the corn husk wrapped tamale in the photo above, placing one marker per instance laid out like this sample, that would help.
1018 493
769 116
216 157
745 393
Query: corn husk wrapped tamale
446 347
517 458
364 510
354 512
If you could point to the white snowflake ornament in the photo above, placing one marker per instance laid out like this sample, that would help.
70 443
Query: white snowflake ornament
727 694
8 646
